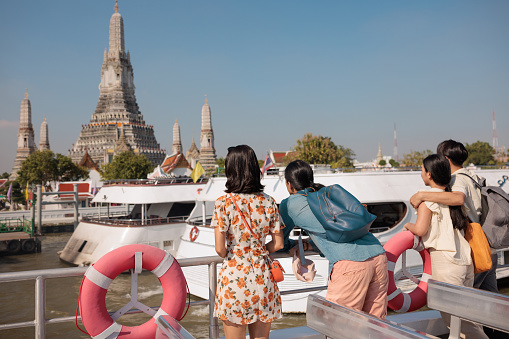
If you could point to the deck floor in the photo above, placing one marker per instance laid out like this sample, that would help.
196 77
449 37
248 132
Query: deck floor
14 235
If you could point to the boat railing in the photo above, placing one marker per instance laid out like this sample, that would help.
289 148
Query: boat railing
487 308
40 276
133 222
155 181
336 321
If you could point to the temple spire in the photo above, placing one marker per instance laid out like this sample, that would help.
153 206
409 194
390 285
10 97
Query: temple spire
116 6
177 143
44 136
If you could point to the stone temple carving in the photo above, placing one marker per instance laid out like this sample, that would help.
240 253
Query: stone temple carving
117 109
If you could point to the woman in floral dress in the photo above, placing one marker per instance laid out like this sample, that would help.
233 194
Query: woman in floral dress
247 296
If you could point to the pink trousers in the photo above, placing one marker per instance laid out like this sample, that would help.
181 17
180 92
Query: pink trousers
360 285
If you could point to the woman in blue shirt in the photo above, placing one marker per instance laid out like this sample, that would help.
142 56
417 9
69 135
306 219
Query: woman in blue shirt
357 270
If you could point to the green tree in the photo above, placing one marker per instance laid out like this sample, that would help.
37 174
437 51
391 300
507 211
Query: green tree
394 163
321 150
415 158
5 175
480 153
44 167
69 171
382 162
127 165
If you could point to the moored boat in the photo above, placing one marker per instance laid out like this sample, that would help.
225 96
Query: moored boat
385 194
155 214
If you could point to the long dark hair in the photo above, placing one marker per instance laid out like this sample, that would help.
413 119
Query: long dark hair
242 170
300 175
439 168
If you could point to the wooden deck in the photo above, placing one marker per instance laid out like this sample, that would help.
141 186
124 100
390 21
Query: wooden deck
14 235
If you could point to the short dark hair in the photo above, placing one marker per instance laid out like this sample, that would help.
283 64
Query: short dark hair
242 170
454 151
300 175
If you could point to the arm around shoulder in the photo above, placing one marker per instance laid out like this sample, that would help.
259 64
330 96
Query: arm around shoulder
445 198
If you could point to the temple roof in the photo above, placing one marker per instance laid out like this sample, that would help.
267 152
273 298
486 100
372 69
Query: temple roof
87 162
177 160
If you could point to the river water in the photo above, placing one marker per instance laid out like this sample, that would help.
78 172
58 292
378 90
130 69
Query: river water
17 298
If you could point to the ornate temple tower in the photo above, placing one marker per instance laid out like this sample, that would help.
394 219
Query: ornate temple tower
43 137
26 143
177 143
193 154
207 150
117 109
379 156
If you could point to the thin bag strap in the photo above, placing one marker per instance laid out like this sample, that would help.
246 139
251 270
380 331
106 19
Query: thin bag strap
475 181
242 216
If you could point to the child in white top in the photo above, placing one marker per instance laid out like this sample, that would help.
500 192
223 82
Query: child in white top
442 230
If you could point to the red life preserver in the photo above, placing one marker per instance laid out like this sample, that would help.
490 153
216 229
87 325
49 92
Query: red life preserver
398 300
98 277
194 233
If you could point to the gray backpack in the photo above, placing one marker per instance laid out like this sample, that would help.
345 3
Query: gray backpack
494 213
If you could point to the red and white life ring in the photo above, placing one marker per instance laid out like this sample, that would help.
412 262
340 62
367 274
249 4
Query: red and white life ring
194 233
98 278
398 300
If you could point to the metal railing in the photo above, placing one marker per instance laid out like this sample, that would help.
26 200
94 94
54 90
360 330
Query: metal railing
336 321
487 308
40 277
16 225
133 222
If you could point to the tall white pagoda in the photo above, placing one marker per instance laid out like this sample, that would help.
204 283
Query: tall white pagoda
207 150
26 143
117 109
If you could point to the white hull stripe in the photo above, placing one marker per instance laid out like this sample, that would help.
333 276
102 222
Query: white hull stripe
164 265
391 265
425 277
406 303
394 294
111 332
98 278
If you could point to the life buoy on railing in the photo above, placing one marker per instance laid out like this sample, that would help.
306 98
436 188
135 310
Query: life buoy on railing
194 233
398 300
98 278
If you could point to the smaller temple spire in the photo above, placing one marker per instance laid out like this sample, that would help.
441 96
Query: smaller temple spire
177 142
26 93
116 6
379 156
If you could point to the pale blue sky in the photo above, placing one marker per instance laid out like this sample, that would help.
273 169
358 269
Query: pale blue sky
272 70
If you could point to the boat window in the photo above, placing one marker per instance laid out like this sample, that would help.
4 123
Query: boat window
181 209
388 215
82 246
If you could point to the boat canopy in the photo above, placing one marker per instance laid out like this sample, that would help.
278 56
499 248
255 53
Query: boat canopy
147 194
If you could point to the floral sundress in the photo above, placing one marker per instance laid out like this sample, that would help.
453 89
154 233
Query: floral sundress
246 291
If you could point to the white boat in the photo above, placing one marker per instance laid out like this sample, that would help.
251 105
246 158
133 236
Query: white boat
155 213
386 195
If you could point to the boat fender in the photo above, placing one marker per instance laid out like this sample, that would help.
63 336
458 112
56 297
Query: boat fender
92 300
398 300
194 233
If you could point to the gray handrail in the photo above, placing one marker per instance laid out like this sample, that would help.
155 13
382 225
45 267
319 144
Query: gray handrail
487 308
336 321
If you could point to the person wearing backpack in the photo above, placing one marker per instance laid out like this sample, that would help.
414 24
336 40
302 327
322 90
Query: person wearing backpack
442 229
358 271
464 193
